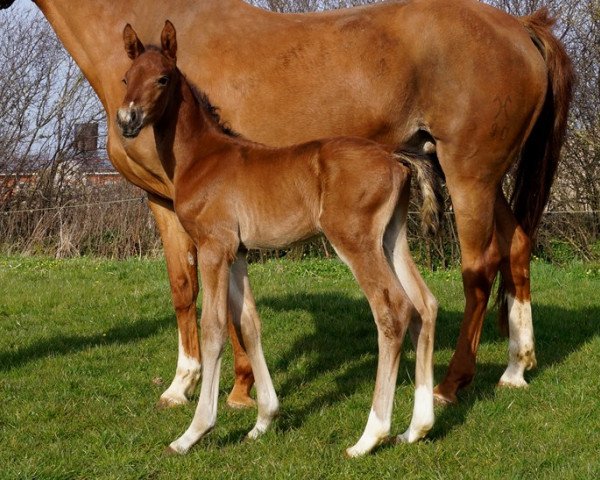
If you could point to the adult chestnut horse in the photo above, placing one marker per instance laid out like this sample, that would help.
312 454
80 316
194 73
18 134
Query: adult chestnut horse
488 90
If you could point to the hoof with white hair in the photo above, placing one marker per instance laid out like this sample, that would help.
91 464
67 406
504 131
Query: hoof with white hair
170 400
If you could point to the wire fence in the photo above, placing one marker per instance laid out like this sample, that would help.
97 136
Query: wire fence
123 227
107 226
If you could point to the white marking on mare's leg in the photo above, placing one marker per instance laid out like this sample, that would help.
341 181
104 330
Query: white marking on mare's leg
423 416
521 353
375 432
185 381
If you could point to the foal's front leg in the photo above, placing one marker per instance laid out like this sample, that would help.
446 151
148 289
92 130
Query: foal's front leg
214 270
181 257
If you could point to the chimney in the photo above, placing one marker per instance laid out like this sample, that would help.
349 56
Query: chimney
86 137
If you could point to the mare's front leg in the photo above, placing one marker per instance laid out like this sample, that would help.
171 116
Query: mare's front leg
181 257
215 262
180 254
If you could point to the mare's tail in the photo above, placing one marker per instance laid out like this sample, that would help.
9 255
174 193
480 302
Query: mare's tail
538 161
429 178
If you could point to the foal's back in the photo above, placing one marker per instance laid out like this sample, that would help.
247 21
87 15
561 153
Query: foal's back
277 196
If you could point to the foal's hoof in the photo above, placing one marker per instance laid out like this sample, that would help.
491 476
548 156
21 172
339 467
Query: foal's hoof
169 452
513 383
170 402
444 398
240 401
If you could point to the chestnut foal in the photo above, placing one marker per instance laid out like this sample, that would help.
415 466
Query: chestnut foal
232 194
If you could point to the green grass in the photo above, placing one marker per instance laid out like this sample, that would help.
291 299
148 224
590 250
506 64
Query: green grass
83 344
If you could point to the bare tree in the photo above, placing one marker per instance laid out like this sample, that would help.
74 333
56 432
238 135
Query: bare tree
45 204
44 97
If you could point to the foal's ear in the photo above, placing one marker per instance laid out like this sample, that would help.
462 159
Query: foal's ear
168 40
133 46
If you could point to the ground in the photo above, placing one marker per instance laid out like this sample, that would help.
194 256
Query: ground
87 346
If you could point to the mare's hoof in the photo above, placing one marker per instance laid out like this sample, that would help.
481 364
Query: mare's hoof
513 384
444 398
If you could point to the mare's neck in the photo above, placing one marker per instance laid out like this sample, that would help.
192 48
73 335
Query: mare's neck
186 133
92 31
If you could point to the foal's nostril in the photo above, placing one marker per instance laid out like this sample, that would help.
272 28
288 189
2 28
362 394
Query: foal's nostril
132 115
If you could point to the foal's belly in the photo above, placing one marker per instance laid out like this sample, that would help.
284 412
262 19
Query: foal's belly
276 226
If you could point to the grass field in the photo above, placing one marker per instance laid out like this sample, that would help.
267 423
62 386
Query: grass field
85 344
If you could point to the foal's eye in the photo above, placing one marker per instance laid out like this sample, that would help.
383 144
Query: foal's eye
124 81
162 81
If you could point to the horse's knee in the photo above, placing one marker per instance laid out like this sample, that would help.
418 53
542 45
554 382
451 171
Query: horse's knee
392 314
478 273
184 291
432 306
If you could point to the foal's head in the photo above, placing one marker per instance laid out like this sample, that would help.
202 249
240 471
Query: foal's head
151 80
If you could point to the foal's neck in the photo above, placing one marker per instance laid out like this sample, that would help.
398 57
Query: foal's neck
187 133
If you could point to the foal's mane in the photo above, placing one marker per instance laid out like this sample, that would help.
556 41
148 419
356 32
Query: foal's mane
211 110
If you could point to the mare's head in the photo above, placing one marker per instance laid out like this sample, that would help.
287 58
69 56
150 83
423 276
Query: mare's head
151 80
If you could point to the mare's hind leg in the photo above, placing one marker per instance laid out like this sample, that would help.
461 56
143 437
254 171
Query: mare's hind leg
422 325
247 325
473 203
515 248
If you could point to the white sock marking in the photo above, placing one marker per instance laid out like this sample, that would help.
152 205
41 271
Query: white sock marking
521 343
186 378
423 416
375 431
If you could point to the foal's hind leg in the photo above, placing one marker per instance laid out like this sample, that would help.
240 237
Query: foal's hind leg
515 249
391 309
247 324
422 325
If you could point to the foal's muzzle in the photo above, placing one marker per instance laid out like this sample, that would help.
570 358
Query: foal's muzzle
130 121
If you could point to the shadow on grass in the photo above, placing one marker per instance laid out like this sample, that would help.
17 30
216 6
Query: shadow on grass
125 332
344 341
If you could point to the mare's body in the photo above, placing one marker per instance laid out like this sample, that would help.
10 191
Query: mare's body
486 88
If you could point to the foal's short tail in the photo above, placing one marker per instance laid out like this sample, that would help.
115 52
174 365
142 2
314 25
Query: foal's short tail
429 178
